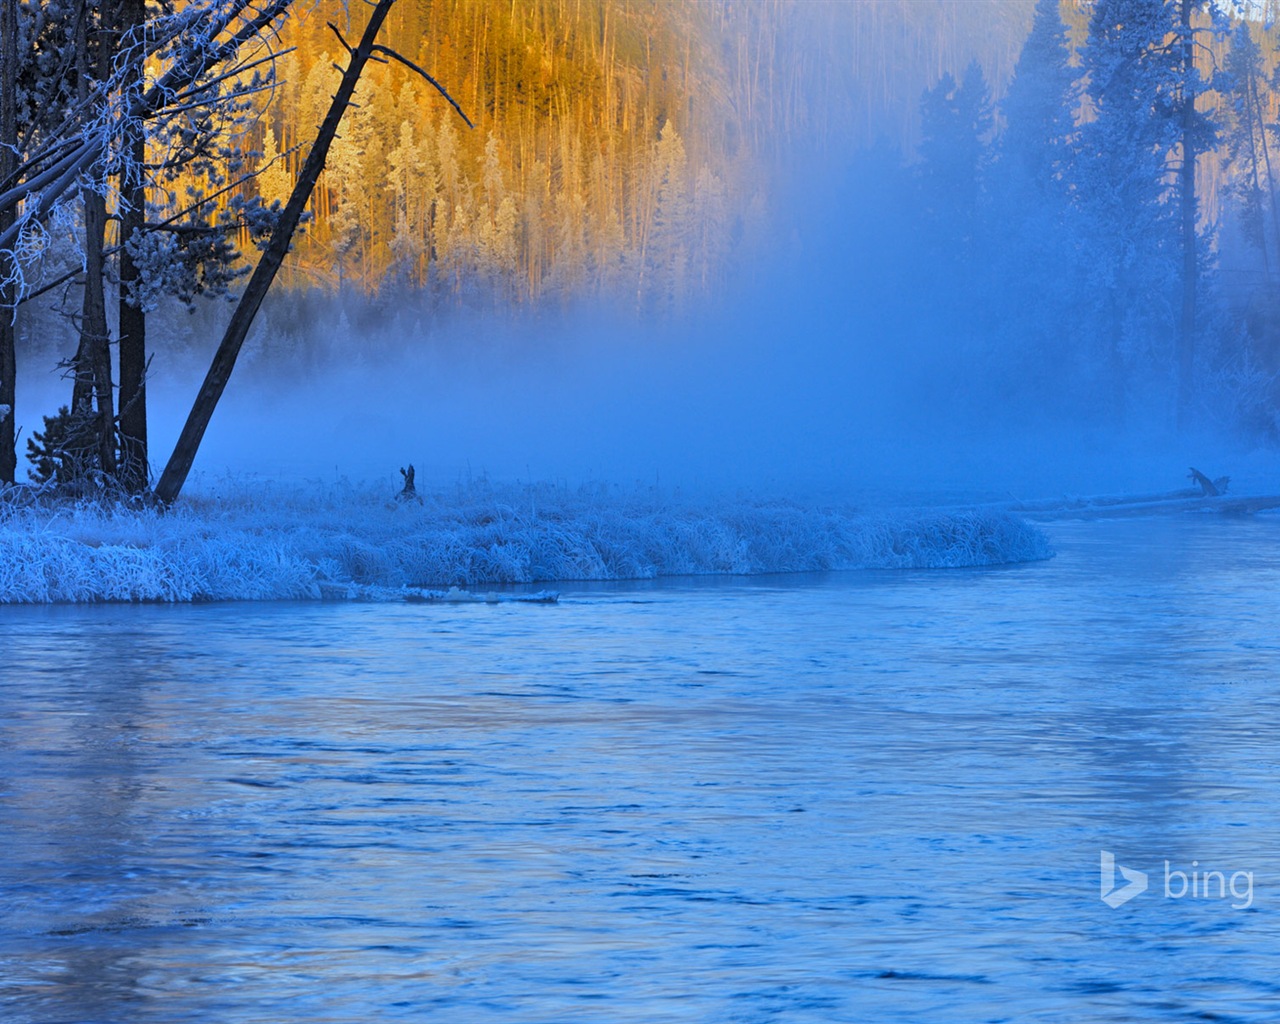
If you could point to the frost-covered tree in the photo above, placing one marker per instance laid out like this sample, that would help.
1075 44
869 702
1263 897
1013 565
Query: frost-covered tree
132 319
1032 257
408 171
9 48
347 170
1198 132
1127 232
1136 181
1039 107
955 133
272 178
127 111
499 217
606 236
665 256
1248 145
709 205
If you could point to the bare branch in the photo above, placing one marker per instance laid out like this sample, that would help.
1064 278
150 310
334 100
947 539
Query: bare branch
199 104
55 151
379 48
196 230
70 275
345 45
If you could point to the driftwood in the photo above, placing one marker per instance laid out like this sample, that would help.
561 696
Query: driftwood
1091 509
455 595
1207 496
1209 488
408 492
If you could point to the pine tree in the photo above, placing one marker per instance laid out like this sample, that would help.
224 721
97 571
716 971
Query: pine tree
347 169
1249 146
667 249
131 316
956 126
709 215
1137 154
1040 105
407 171
9 78
1197 133
1127 232
1035 262
273 179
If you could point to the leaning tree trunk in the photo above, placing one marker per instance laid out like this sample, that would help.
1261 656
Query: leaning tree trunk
8 293
224 360
133 473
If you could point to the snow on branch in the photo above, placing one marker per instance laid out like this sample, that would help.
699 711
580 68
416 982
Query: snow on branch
214 56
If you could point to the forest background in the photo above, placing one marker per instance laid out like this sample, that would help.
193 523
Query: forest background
977 190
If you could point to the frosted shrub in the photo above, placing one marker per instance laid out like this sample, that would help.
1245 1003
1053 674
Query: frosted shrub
272 542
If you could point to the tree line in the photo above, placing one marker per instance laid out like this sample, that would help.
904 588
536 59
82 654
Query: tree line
146 147
1105 226
620 146
1103 239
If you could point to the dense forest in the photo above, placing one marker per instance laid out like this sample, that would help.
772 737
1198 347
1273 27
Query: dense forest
633 150
1076 196
1100 240
620 148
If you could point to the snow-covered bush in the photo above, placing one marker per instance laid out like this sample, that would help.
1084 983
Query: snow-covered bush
275 542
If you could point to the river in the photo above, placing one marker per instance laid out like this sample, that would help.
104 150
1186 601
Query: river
860 796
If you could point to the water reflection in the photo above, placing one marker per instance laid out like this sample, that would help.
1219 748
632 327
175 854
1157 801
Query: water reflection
873 796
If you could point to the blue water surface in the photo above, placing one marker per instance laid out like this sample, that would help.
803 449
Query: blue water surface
868 796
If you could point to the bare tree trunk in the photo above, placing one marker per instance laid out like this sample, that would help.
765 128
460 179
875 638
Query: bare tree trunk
92 368
134 473
8 161
92 386
224 360
1188 211
1255 168
1266 159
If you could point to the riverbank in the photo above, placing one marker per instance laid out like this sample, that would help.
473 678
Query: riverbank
270 541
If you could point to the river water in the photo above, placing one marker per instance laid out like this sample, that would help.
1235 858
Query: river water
871 796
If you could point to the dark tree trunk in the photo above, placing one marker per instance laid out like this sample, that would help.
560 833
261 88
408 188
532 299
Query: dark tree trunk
8 160
1255 107
1188 212
224 360
92 388
134 473
1252 125
92 368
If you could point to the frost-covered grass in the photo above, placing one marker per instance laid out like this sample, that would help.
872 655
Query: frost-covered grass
275 542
